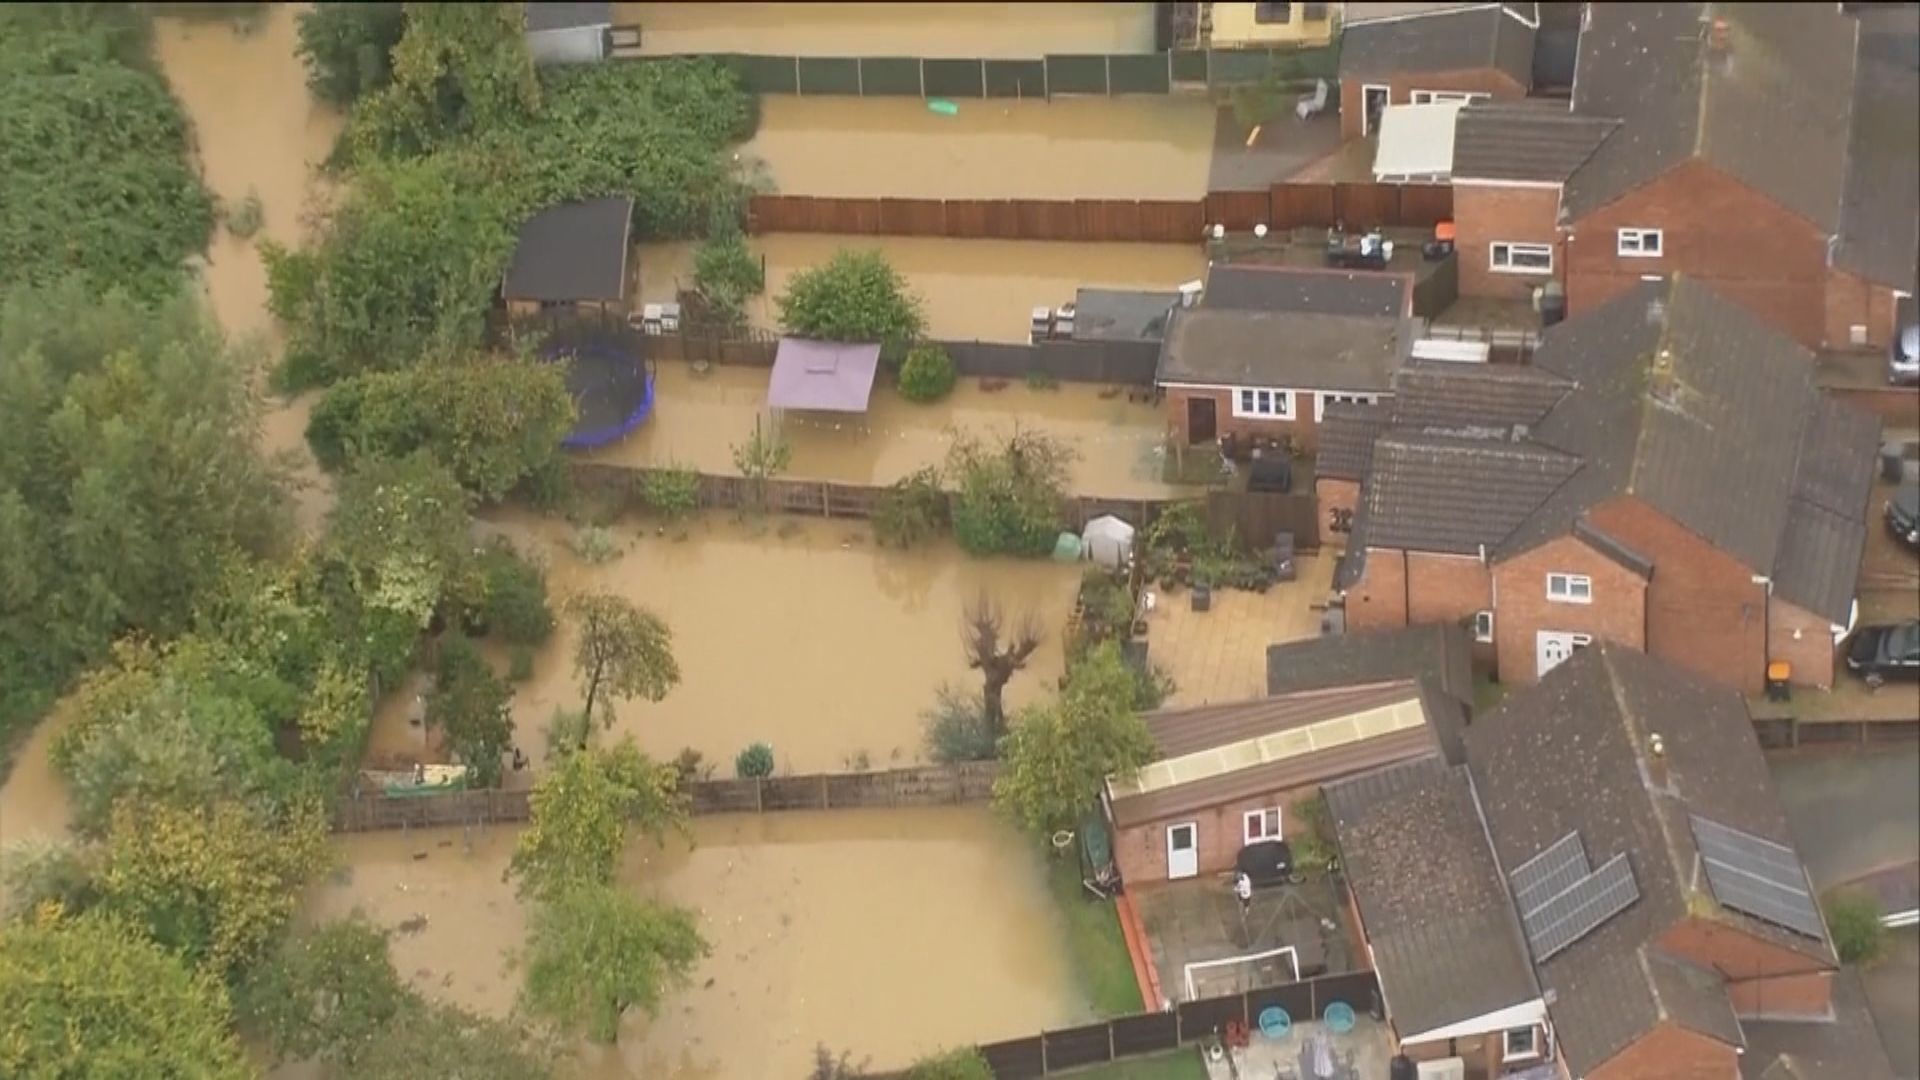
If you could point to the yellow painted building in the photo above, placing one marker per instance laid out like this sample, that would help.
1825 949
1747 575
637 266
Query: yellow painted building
1259 25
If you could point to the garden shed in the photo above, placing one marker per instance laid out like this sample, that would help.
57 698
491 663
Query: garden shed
574 256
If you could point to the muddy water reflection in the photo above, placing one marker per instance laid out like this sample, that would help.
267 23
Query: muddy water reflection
1140 147
791 631
957 30
812 918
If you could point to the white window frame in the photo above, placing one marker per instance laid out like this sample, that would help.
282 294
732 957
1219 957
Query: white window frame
1569 588
1248 402
1507 1053
1366 127
1441 97
1248 820
1324 399
1632 243
1495 263
1483 619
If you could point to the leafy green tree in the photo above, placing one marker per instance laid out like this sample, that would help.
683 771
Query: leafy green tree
1853 918
90 997
516 607
855 296
927 374
623 650
432 1040
458 68
594 952
401 530
725 273
1008 496
348 48
1057 756
327 993
474 708
582 808
754 763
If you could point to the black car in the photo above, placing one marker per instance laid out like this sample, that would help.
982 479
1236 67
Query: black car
1879 653
1903 514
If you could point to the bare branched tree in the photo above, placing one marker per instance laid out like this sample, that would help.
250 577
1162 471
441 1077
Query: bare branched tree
996 654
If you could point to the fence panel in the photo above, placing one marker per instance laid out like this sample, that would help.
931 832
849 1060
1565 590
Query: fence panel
1145 1034
1003 220
1255 518
1364 206
1425 205
1073 1047
969 219
1144 73
822 75
1199 1019
767 74
955 78
1016 1059
1189 65
1169 221
1016 78
1232 67
1296 998
1046 220
1111 219
1356 988
723 796
1076 74
913 217
895 76
1239 210
1297 205
1438 290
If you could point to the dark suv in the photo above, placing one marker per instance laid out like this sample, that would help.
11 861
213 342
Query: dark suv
1879 653
1903 513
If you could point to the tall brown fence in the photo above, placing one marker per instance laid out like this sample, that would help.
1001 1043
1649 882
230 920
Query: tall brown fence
1157 1032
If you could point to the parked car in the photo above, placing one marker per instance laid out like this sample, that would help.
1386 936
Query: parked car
1903 514
1903 355
1879 653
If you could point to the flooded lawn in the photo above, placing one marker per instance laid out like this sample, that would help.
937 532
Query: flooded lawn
1136 147
793 631
700 416
999 31
970 290
887 933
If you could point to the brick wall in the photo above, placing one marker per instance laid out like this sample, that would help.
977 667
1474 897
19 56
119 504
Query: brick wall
1803 640
1617 613
1852 300
1446 588
1378 601
1301 428
1669 1052
1717 230
1483 215
1141 851
1809 995
1401 87
1704 613
1762 978
1337 500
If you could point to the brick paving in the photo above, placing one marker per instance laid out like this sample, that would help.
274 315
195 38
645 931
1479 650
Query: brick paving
1221 654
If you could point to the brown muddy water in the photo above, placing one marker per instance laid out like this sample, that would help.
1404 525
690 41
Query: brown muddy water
1137 147
999 31
256 131
793 631
969 290
888 933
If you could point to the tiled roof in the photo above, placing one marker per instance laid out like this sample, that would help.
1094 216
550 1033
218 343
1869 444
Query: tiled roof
1438 394
1466 39
1880 211
1770 107
1325 292
1284 349
1825 535
574 251
1848 1045
1442 931
1347 431
1447 493
1439 656
1534 140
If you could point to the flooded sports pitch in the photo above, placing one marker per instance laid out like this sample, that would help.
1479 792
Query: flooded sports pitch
887 933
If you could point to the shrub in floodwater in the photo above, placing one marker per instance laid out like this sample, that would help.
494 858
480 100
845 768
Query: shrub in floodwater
245 217
858 761
516 606
927 374
595 544
827 1066
964 1063
911 511
854 296
566 732
957 728
754 762
691 765
1041 380
520 664
672 491
1007 496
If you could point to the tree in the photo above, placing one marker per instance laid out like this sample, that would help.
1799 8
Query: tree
593 952
581 810
474 708
855 296
1057 756
327 993
624 650
401 531
927 374
446 1041
90 997
458 68
348 48
996 655
1853 918
725 273
1008 496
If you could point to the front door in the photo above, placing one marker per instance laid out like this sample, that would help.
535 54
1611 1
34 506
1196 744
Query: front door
1373 102
1203 420
1551 649
1183 850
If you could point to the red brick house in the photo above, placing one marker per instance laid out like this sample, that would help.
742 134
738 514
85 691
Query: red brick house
1682 489
1510 161
1415 54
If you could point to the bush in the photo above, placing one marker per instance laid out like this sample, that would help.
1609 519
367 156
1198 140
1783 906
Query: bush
672 491
596 544
958 728
348 48
519 664
691 765
1853 918
516 606
1008 498
725 273
964 1063
245 218
911 511
927 375
855 296
755 762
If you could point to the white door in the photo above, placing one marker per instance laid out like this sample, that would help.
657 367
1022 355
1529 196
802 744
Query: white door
1551 649
1183 850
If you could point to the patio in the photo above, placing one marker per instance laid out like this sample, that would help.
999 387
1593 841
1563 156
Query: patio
1220 655
1363 1053
1197 921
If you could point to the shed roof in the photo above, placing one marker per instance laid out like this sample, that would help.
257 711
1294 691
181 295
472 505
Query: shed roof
1284 349
1416 141
1121 314
1465 38
1308 291
1530 140
1438 656
554 16
830 376
571 252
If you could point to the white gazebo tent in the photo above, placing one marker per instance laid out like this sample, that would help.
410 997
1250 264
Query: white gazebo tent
1416 143
1108 541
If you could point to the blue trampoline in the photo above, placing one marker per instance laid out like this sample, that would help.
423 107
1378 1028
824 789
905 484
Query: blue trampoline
612 389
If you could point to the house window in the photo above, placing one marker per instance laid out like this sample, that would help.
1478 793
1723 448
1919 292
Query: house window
1321 401
1261 825
1570 588
1437 97
1512 258
1313 12
1263 404
1272 13
1520 1044
1640 243
1483 626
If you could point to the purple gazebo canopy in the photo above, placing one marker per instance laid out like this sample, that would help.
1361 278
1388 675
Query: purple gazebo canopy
830 376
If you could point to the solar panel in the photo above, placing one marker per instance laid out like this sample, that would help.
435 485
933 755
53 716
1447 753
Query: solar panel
1549 873
1576 912
1758 877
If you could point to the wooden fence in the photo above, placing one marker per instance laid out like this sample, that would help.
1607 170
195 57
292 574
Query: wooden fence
1788 733
929 785
1189 1022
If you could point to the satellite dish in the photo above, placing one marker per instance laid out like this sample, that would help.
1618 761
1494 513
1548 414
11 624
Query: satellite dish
1219 232
1260 231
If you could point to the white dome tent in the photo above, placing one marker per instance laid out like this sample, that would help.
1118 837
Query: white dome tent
1108 541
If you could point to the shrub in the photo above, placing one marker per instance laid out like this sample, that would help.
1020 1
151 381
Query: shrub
855 296
964 1063
927 374
691 765
1008 498
595 544
516 606
1853 918
1041 380
958 729
754 762
348 48
245 218
725 272
566 731
672 491
519 664
911 511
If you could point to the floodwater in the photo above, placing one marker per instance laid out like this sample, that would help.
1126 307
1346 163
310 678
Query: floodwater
889 933
999 31
1136 147
699 417
257 131
792 631
34 807
969 290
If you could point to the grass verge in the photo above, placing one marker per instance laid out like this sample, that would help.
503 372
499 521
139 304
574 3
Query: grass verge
1177 1065
1099 954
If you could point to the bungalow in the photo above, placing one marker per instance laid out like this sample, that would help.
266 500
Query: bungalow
573 257
1669 479
568 33
1419 54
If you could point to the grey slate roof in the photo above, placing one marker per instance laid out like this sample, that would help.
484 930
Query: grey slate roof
574 251
1438 656
1440 394
1445 493
1284 349
1445 941
1880 210
1848 1045
1536 140
1121 314
1825 535
1326 292
1771 110
1569 755
1347 432
1466 39
542 16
